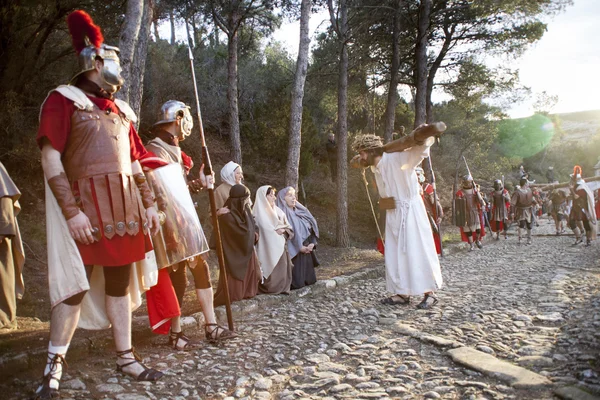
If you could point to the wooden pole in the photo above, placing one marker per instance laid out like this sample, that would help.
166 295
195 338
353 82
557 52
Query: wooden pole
211 196
545 187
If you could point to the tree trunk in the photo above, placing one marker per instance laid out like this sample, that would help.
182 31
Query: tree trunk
295 130
342 238
139 61
189 35
156 36
390 111
172 20
421 63
128 41
232 96
448 35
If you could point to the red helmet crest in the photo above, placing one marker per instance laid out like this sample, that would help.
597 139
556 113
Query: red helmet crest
81 26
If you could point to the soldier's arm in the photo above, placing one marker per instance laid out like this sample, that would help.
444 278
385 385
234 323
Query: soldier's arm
147 197
78 223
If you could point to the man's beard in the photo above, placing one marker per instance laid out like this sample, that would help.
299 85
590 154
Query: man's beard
370 159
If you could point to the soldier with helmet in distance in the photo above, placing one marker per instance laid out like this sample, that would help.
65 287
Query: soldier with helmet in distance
99 207
469 204
500 206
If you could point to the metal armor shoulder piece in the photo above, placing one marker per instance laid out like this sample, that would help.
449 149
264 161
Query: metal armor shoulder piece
73 93
127 110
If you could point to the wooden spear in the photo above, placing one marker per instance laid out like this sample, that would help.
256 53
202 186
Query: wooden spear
211 196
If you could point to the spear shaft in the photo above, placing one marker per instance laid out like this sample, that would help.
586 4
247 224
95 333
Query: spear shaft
208 170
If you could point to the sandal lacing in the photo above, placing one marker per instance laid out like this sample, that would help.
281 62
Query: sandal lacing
148 374
218 333
44 391
178 341
425 304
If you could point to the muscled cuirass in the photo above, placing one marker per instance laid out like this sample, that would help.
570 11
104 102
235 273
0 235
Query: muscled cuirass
499 198
97 162
524 197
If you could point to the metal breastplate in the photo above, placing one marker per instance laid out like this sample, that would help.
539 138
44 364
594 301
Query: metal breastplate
498 198
525 198
98 145
470 199
97 161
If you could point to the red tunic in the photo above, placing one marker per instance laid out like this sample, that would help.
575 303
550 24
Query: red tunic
55 126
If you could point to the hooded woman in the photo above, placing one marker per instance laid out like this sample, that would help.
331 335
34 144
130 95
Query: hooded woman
231 175
302 246
238 236
274 230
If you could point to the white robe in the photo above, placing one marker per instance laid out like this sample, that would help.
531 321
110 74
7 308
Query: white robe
411 263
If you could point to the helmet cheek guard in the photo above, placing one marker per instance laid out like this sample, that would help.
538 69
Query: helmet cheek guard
174 110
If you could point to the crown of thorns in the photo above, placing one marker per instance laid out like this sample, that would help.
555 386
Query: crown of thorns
367 142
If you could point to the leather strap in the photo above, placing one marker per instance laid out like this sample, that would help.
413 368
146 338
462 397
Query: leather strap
387 203
61 188
103 200
147 196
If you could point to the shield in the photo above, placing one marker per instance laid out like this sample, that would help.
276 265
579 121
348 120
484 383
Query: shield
181 235
460 208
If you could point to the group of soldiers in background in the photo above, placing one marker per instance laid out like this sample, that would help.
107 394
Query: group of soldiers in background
574 206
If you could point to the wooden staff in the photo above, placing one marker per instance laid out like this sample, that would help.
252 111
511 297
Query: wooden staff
211 196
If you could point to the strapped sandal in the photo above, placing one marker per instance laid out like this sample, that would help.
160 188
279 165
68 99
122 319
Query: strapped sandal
148 374
178 341
218 333
425 304
577 241
45 391
390 301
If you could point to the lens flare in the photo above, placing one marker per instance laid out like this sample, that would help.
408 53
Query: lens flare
525 137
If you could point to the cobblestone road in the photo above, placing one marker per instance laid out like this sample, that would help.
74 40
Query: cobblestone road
533 306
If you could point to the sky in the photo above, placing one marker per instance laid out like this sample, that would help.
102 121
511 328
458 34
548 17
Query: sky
565 62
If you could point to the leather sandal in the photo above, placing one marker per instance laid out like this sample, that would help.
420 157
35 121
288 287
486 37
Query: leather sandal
426 303
148 374
218 333
178 341
44 391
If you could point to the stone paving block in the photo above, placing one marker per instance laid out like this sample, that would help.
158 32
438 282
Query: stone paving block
517 377
573 393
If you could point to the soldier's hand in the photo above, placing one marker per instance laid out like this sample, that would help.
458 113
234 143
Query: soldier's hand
153 222
207 181
81 229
